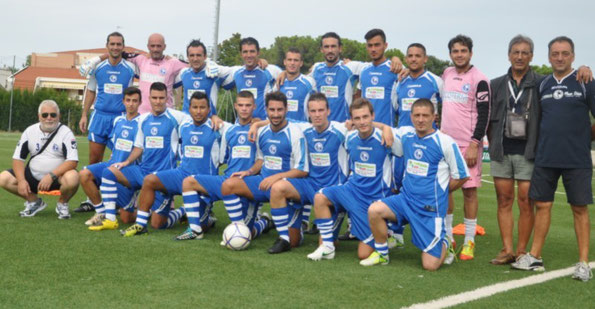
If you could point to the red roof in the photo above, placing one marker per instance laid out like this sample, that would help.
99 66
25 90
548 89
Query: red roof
25 79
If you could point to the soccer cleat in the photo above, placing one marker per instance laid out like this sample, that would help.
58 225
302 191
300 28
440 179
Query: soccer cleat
313 230
190 234
280 245
451 254
211 221
582 272
104 225
393 242
32 209
347 236
95 220
468 252
528 262
375 259
62 211
135 229
270 224
85 206
322 253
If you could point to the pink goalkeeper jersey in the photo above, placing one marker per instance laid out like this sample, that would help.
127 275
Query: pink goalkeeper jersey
459 104
150 71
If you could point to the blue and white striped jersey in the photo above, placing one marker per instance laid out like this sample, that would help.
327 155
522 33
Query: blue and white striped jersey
193 81
298 91
108 82
199 148
122 136
236 150
282 150
426 86
378 85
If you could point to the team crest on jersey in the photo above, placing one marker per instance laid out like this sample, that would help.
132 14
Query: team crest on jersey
113 78
196 84
248 82
289 94
55 147
364 156
466 87
241 139
154 131
411 93
328 80
374 80
73 144
558 94
125 133
273 149
318 146
162 71
418 153
194 139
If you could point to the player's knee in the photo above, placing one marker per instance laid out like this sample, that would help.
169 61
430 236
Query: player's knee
430 265
151 181
189 184
376 209
86 176
320 200
157 221
70 179
278 189
6 178
228 186
127 217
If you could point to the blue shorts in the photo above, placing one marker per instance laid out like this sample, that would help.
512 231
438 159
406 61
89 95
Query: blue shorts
343 197
253 182
427 232
172 180
162 204
135 176
306 187
126 197
212 184
100 126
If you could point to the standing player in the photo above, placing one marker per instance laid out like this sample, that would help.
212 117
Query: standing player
296 86
199 151
465 114
281 153
369 162
122 139
435 167
563 149
105 91
238 153
251 77
157 142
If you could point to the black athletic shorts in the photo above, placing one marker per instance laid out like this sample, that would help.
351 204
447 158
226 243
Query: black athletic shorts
33 183
577 182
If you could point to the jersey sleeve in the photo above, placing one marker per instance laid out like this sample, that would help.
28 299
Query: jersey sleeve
483 109
178 79
179 65
397 147
223 153
69 143
92 83
229 79
259 155
274 70
299 158
139 139
356 67
312 82
454 158
22 150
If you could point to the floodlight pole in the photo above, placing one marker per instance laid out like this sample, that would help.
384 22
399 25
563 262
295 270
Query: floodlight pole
216 34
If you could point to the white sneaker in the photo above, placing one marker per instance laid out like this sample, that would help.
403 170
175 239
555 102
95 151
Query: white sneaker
451 254
322 253
62 211
582 272
33 208
95 220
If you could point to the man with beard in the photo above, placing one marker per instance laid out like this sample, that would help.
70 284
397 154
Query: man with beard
52 165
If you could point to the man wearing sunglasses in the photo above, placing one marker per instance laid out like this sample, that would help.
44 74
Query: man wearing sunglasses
52 165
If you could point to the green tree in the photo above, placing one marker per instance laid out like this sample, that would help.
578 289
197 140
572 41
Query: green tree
229 51
543 69
436 66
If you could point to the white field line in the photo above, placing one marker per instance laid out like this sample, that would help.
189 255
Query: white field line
493 289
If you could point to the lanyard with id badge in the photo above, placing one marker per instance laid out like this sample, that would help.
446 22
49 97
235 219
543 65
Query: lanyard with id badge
516 124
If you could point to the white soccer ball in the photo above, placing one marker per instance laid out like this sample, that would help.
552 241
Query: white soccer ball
236 236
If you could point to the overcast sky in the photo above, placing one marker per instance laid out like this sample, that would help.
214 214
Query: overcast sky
58 25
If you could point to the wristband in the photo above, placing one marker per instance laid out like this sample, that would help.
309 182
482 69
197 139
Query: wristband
54 177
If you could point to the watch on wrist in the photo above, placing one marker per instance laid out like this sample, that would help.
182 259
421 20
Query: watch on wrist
54 177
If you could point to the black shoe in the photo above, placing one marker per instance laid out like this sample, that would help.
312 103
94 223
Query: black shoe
280 245
270 224
347 236
313 230
85 207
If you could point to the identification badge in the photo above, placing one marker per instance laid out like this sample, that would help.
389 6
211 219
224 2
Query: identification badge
112 88
253 90
124 144
407 103
330 91
375 93
320 159
241 152
418 168
273 163
365 169
193 151
292 105
155 142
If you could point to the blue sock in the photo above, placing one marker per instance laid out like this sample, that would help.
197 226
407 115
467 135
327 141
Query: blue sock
192 207
173 216
142 217
205 210
306 213
109 193
281 219
233 205
325 226
259 226
382 248
99 208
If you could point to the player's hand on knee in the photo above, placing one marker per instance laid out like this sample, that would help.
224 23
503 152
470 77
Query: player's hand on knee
23 188
45 183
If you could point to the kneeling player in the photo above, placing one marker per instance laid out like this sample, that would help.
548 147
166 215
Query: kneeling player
434 167
369 161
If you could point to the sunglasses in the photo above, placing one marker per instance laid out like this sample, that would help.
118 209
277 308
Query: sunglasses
45 115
